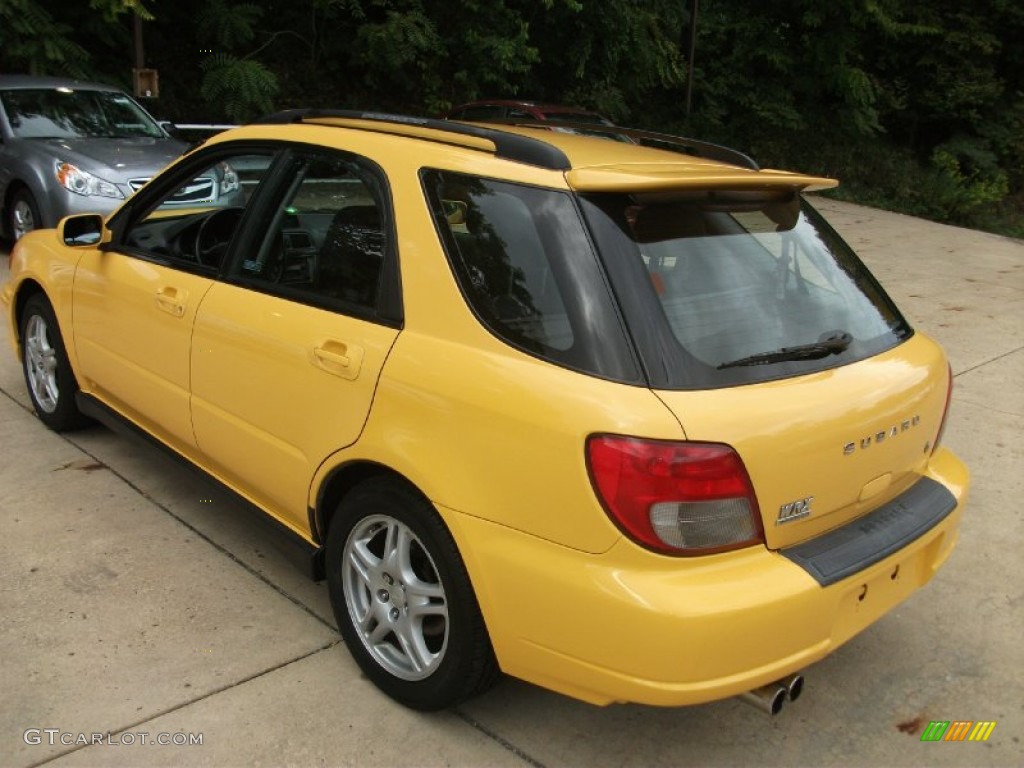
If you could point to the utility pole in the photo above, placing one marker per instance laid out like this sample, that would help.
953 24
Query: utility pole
147 81
140 54
692 49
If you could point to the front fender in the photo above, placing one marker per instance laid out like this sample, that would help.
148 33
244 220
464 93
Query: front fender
28 169
41 263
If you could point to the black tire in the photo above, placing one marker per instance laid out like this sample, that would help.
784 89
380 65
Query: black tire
51 382
403 600
24 215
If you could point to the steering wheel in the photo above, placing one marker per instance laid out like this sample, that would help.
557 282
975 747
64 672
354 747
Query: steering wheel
215 234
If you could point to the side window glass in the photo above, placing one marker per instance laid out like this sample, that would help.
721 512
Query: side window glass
327 236
527 269
510 276
193 223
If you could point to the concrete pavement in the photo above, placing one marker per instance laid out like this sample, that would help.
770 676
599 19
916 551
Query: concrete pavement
137 598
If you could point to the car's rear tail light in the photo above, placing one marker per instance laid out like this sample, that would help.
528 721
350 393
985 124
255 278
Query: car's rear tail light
681 498
945 411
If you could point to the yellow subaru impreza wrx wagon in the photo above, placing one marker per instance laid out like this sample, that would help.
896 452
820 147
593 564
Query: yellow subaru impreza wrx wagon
626 420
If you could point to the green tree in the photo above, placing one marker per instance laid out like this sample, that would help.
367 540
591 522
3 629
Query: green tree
33 41
915 104
621 57
912 103
241 85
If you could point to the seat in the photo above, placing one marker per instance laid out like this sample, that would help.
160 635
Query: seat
672 238
351 256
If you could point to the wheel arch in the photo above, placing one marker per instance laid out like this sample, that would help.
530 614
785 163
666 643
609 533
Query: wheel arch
338 483
26 291
15 186
343 479
469 668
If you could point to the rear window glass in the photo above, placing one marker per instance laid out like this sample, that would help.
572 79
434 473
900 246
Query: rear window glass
523 261
738 287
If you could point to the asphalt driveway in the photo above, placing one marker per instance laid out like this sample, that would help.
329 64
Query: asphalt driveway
142 603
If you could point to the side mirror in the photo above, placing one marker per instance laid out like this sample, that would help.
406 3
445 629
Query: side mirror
81 230
170 128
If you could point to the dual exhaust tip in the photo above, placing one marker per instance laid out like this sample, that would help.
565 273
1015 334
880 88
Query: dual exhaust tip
770 698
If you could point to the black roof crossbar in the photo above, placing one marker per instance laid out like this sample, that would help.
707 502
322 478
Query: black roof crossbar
525 149
681 144
510 146
694 147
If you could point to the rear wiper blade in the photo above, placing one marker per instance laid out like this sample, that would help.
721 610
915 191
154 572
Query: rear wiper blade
830 344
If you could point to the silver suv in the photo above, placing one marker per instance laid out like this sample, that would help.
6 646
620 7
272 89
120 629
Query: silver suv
68 147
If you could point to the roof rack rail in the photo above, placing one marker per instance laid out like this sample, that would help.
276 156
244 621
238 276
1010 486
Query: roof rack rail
696 147
681 144
510 146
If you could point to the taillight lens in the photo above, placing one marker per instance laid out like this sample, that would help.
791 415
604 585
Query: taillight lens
945 411
681 498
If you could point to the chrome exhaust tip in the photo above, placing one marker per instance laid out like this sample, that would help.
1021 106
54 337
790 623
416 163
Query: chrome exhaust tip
794 685
768 698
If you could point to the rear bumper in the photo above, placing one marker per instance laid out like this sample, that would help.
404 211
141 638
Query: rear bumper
855 547
632 626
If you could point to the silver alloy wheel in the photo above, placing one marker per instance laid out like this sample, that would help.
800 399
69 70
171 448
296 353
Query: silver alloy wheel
395 597
23 219
41 364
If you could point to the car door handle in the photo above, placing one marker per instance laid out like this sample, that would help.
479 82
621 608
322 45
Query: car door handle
339 358
167 299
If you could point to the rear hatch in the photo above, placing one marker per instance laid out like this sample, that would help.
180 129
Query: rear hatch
825 448
760 328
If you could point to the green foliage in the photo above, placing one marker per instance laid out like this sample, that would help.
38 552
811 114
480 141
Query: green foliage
960 183
227 25
242 89
915 104
964 176
620 57
409 51
398 42
109 10
32 42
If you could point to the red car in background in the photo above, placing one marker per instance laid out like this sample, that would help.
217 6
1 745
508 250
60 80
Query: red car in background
570 119
504 109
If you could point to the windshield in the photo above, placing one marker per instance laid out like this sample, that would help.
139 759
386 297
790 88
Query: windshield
66 113
724 288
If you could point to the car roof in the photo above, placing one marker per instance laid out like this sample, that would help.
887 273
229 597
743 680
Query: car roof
588 163
21 82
